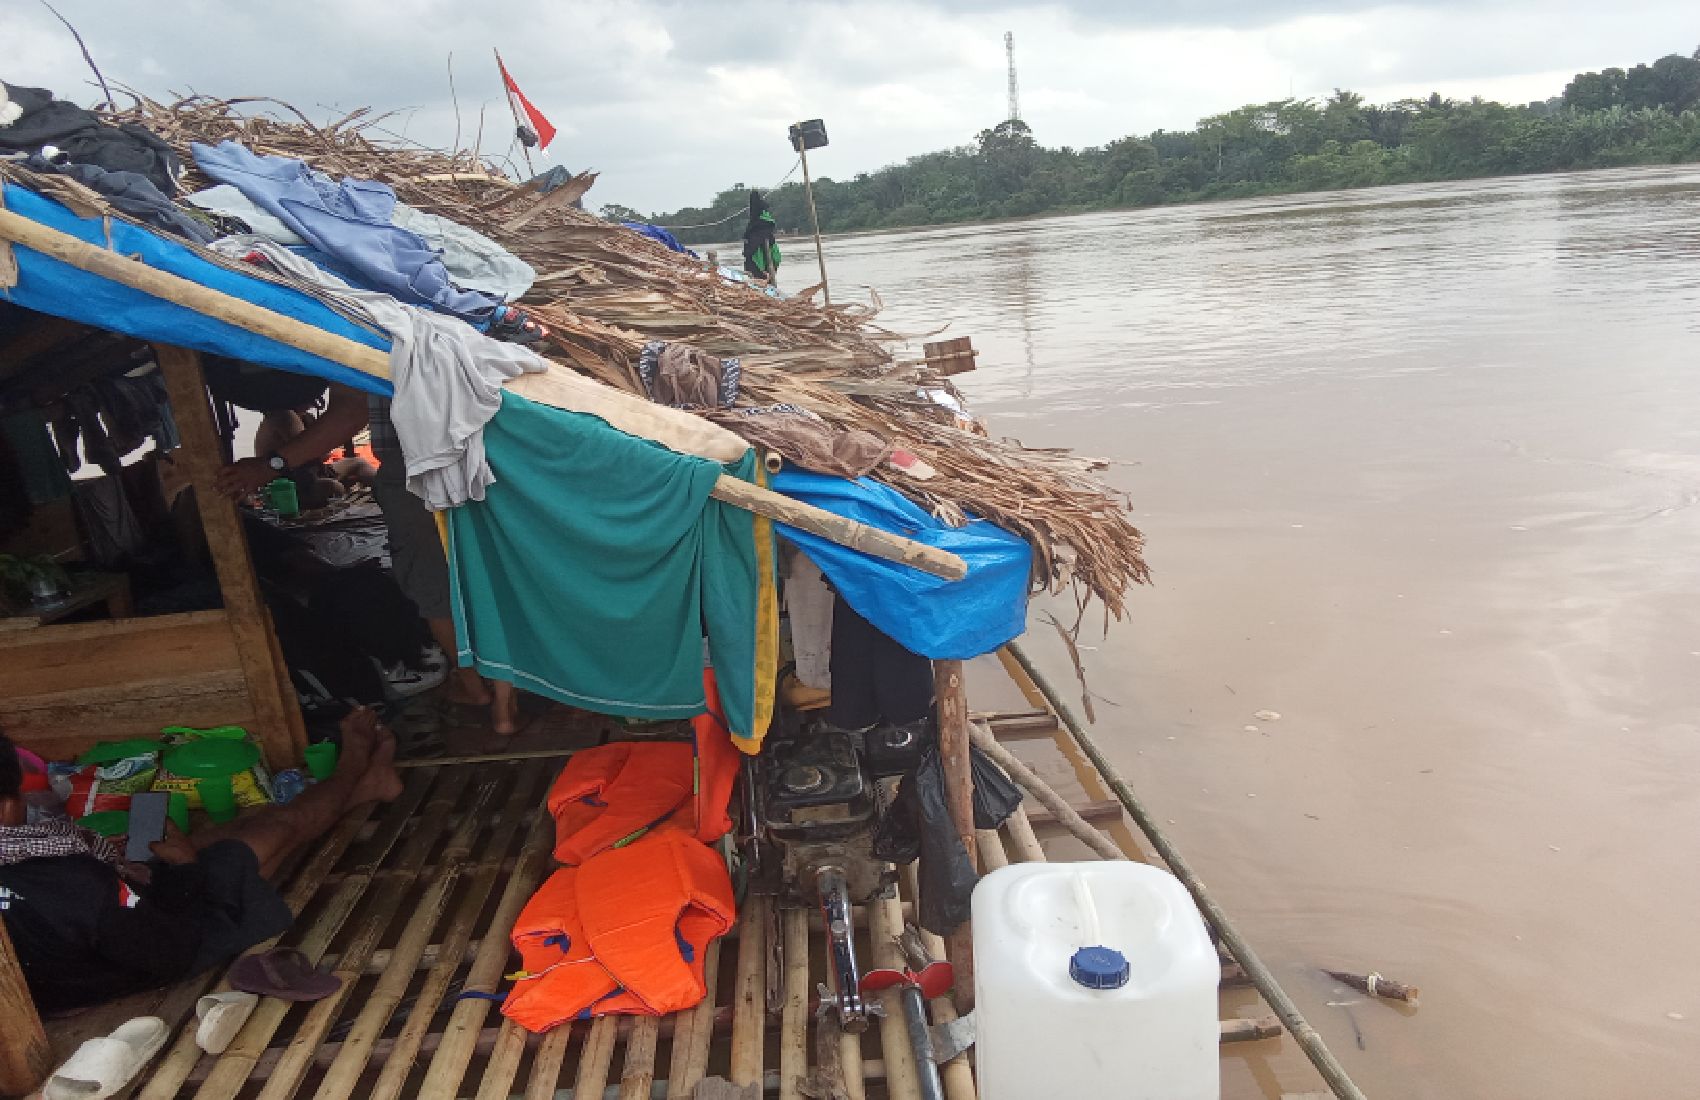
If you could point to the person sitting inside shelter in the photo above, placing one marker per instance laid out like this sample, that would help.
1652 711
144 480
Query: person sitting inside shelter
88 927
417 559
321 479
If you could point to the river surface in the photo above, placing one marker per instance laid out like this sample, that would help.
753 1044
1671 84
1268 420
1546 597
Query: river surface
1419 468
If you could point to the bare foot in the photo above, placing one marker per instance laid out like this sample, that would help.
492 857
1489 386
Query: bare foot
359 740
380 782
468 688
504 710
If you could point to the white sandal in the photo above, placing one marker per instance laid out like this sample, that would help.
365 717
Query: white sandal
100 1067
222 1016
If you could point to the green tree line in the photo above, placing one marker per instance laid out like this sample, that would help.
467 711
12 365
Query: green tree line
1649 114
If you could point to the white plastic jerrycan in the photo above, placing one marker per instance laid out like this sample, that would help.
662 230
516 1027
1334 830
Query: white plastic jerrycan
1093 980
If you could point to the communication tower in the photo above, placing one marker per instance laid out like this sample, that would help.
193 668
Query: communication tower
1014 89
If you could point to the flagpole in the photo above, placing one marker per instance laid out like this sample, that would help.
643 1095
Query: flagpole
519 123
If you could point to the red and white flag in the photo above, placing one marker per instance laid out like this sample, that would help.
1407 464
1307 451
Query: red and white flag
525 111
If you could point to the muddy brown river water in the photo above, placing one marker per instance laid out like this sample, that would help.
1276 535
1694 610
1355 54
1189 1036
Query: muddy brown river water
1419 468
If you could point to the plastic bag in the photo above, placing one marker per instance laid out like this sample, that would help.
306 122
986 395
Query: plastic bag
918 824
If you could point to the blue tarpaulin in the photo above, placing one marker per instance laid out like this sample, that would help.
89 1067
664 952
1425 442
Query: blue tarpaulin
660 235
928 615
51 286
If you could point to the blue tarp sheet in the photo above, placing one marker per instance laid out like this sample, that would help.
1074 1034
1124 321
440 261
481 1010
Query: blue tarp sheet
925 614
51 286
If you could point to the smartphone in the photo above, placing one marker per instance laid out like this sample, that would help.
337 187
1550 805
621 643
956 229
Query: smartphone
147 824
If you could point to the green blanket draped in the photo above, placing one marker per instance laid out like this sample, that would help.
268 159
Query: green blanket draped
596 565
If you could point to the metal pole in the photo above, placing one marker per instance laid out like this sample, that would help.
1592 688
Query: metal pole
814 220
1306 1036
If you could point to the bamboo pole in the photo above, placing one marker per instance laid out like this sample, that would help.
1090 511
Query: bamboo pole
234 1065
380 1003
845 532
520 808
547 1062
1306 1036
1102 846
749 998
460 1036
174 288
1022 839
26 1058
379 910
814 222
174 1069
596 1057
375 362
694 1033
794 1016
957 1075
899 1056
497 1080
992 854
637 1079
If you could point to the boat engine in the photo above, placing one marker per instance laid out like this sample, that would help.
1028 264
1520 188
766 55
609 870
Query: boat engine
817 797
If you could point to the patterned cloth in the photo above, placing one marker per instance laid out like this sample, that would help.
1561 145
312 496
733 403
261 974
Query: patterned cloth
53 837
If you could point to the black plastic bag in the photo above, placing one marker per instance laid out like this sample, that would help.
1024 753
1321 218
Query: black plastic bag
918 825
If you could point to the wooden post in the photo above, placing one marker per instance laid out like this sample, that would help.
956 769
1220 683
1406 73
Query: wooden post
814 222
951 698
25 1056
949 357
277 715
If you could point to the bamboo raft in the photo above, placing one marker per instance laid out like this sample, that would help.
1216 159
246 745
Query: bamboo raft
411 904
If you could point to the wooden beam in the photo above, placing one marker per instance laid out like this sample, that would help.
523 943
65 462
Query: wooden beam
25 1056
951 699
374 362
277 715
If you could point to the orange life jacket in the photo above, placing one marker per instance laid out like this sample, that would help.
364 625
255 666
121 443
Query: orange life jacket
613 793
625 934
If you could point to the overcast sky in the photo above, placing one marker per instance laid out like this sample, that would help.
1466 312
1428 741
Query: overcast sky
672 101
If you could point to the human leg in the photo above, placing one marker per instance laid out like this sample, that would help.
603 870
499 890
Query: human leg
365 772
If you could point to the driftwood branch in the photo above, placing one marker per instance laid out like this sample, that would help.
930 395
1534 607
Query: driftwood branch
1377 986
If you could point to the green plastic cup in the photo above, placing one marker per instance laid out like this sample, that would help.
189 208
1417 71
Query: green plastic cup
218 798
177 809
321 759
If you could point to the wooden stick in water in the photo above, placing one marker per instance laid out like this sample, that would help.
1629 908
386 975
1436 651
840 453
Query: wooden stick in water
1377 986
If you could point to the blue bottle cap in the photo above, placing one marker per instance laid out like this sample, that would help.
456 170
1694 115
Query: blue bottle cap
1099 968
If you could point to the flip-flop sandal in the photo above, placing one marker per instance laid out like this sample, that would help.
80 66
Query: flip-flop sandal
283 973
100 1067
222 1016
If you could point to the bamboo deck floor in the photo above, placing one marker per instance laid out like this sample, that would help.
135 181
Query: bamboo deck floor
411 904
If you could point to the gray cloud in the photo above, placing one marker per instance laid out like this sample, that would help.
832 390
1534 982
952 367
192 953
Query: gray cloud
674 99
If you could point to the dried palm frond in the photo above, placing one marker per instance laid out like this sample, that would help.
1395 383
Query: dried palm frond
604 291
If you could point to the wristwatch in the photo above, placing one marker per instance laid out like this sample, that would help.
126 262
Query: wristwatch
276 462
